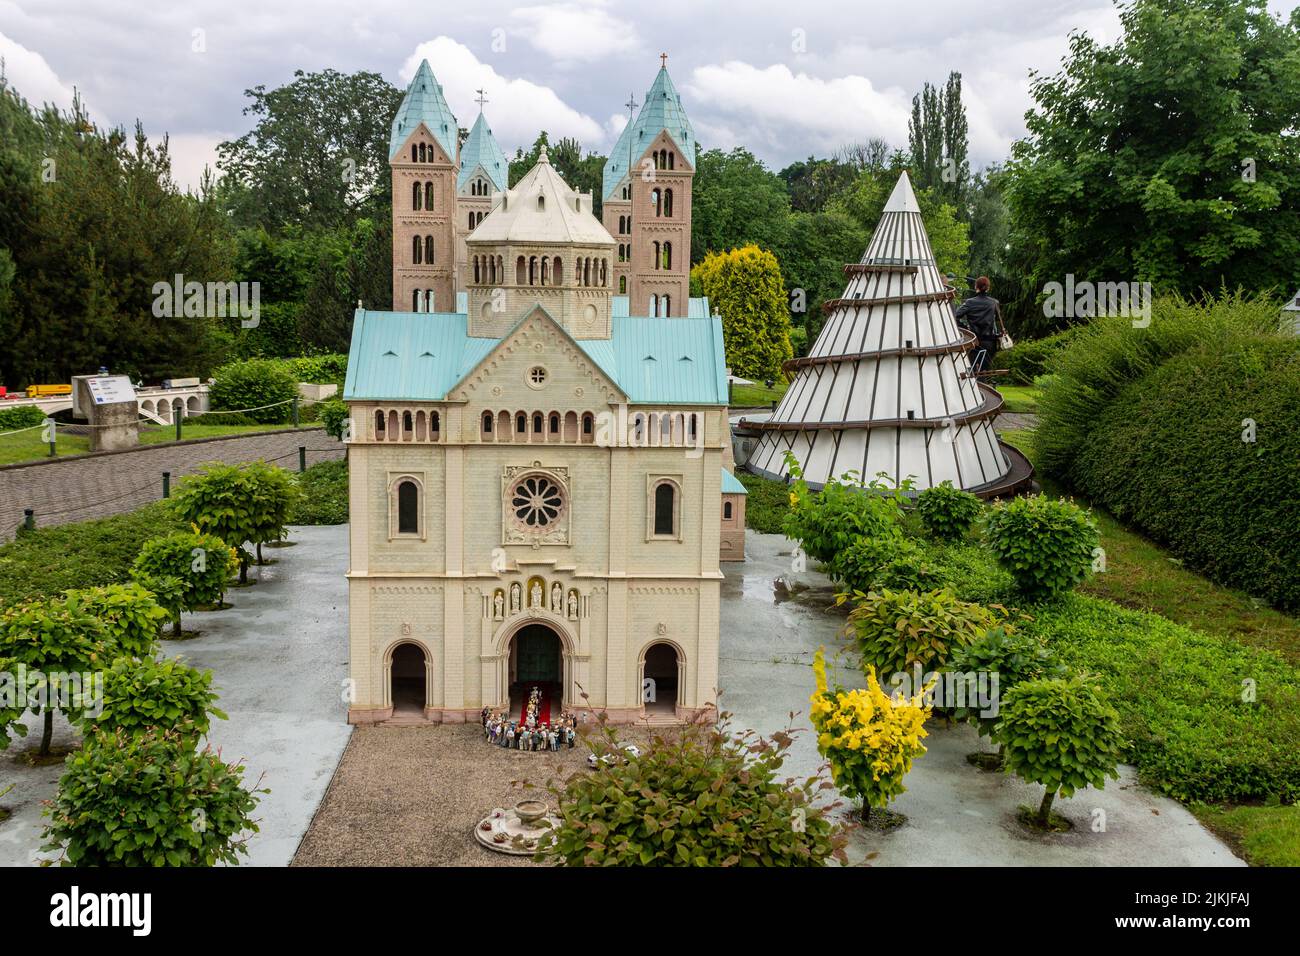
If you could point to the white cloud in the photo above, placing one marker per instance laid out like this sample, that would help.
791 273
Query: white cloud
576 32
190 153
516 108
27 71
774 109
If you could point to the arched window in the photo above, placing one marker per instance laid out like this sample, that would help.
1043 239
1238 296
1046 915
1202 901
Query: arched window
657 200
415 300
666 305
471 220
665 509
668 255
408 507
654 305
408 426
622 285
541 203
670 159
428 249
379 425
546 270
658 255
477 280
726 510
668 202
555 424
537 423
424 156
521 423
415 196
416 248
487 423
558 276
413 153
588 426
532 270
428 196
604 273
521 271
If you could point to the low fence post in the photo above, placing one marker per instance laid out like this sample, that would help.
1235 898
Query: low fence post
302 458
29 519
167 484
295 411
180 415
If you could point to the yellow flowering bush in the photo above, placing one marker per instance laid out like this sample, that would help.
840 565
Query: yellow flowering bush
869 738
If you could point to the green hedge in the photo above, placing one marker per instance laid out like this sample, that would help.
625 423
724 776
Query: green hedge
48 561
259 388
1167 457
20 416
1180 693
324 498
1031 358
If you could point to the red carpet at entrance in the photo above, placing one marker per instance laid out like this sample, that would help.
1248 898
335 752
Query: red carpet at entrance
549 692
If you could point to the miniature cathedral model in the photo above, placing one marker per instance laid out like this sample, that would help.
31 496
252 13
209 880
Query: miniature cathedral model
887 387
538 482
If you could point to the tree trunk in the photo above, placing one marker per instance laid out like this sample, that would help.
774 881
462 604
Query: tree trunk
48 734
866 811
260 562
176 625
243 569
1045 809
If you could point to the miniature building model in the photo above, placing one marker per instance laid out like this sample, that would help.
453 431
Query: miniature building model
537 478
887 387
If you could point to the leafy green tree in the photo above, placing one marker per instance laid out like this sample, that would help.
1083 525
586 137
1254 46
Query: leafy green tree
58 638
813 182
736 201
948 512
1170 156
129 617
198 564
897 631
149 800
274 496
223 501
697 796
318 156
1048 544
936 135
1059 732
261 389
1012 655
745 287
144 695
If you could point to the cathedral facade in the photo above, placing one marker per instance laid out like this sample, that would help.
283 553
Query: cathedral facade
538 463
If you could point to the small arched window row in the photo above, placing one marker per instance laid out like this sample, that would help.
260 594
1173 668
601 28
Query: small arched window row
488 270
663 429
550 427
406 424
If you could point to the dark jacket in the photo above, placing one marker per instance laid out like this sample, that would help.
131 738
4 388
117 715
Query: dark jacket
982 315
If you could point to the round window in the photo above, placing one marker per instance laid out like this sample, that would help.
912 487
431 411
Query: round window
537 502
537 376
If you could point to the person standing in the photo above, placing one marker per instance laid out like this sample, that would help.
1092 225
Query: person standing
982 315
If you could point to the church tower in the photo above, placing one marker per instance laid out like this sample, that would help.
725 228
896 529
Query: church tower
424 157
647 203
483 172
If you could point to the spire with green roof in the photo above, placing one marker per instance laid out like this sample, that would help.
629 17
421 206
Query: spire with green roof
662 111
481 151
424 103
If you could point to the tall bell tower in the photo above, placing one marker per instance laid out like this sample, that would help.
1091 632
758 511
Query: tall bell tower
424 158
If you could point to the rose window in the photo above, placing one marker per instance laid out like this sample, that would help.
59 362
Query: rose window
537 501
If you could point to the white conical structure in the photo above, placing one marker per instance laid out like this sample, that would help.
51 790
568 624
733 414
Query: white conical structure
887 387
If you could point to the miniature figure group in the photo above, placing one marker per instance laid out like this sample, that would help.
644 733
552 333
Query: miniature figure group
529 734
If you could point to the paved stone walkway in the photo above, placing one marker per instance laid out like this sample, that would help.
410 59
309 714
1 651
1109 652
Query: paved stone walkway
81 487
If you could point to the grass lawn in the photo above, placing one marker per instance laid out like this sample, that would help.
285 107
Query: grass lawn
1266 836
1020 399
756 396
1140 575
27 446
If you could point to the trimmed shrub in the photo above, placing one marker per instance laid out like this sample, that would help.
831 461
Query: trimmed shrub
1010 654
274 495
1109 353
947 512
115 807
893 562
20 416
237 504
828 521
250 386
972 572
129 617
199 564
697 796
1061 733
1169 457
163 695
869 738
49 561
767 503
1030 358
902 630
334 414
1047 544
1204 718
328 368
324 494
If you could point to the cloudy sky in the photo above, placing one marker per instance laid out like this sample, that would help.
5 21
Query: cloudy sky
784 79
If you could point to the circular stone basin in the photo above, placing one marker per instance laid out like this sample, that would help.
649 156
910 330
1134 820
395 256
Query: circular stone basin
505 831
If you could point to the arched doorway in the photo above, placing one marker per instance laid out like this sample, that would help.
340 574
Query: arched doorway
537 661
660 680
408 673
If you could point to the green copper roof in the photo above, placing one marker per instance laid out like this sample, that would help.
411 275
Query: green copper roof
662 110
731 484
481 150
421 356
424 103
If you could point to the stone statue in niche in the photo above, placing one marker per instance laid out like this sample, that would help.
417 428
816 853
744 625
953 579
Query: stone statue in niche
516 593
557 598
535 595
499 606
573 605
